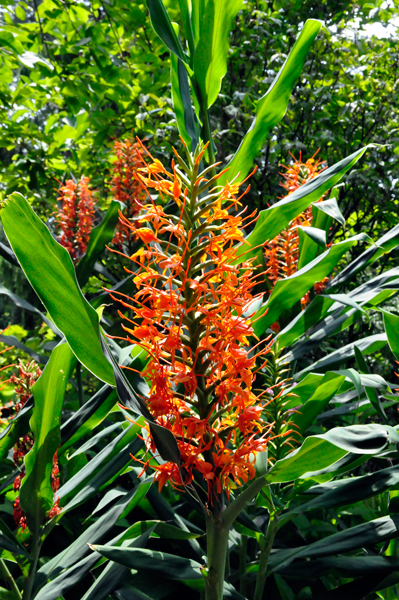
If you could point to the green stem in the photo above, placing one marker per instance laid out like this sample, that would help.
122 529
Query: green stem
36 545
217 536
266 546
9 580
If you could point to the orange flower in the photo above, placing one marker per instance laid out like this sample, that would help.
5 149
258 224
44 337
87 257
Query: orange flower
126 187
76 216
188 314
282 253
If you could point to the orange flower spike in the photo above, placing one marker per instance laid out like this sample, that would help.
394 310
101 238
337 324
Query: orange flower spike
76 216
282 253
187 313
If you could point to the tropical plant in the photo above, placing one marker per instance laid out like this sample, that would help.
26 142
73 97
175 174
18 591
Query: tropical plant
206 324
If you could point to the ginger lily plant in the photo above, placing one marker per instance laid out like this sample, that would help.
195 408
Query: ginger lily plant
227 400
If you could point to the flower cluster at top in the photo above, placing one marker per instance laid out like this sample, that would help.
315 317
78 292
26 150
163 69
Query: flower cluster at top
191 313
126 187
282 252
75 217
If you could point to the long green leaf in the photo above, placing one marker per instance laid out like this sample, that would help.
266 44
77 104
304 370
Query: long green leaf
316 453
307 413
344 566
49 269
168 565
210 61
91 414
185 116
367 345
101 235
272 106
113 573
164 29
319 451
36 494
350 490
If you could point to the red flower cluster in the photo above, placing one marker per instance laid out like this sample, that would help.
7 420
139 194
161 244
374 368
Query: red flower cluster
191 314
282 253
76 216
126 187
24 380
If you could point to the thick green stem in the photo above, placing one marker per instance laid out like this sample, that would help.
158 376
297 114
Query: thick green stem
36 545
9 580
217 536
266 546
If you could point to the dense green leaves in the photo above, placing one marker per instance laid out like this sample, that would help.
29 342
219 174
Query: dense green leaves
320 451
36 495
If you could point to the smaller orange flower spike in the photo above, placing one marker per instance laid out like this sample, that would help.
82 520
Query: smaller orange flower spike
189 312
76 216
127 187
282 253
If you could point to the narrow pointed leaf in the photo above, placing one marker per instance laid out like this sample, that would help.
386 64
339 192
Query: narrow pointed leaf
164 29
351 490
185 116
319 451
210 61
168 565
330 207
273 105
